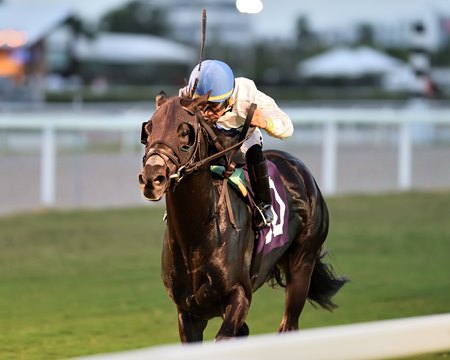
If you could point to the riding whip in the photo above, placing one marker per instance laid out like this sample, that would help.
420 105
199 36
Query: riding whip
194 88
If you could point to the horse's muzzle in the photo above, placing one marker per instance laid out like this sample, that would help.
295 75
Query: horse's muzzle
153 178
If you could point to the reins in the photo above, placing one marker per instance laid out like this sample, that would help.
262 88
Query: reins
194 166
231 165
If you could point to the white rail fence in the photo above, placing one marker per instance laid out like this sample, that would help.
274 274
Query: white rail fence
365 341
405 119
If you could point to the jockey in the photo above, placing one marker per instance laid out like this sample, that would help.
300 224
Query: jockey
227 107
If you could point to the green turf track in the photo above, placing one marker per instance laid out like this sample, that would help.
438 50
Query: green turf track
83 282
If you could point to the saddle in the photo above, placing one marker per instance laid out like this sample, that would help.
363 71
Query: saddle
237 178
275 234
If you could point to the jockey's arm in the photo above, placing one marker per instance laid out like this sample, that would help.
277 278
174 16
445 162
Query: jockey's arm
271 118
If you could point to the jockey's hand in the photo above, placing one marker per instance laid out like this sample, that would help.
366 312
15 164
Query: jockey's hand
258 120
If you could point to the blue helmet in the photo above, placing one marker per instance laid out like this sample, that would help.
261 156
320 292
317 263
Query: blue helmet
215 76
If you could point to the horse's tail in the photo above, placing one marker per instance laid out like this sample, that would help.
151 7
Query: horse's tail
324 284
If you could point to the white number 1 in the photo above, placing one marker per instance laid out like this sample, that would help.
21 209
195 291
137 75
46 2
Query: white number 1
276 227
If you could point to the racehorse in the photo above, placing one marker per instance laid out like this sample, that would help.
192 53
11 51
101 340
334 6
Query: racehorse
212 260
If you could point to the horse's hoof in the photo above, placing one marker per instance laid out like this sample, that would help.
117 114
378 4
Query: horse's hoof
222 338
243 331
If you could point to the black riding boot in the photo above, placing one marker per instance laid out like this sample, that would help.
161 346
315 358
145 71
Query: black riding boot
259 180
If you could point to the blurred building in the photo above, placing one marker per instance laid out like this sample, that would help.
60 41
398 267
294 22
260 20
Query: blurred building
41 50
225 24
23 34
357 66
124 58
394 34
349 62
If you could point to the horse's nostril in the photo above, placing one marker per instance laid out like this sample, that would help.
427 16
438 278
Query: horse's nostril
159 180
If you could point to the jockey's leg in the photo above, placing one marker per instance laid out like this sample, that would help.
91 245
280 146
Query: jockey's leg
259 179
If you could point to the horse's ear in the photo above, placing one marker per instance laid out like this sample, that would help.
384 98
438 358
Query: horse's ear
148 127
161 98
202 99
191 105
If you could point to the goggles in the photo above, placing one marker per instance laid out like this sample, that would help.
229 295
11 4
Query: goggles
215 107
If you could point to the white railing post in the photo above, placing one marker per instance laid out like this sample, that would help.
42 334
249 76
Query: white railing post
329 157
404 156
48 166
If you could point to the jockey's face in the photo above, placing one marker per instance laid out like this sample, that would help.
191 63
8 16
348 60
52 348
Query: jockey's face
213 110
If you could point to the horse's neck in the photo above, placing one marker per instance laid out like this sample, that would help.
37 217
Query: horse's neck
192 203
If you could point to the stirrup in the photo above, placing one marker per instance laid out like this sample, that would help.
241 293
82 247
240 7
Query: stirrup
263 216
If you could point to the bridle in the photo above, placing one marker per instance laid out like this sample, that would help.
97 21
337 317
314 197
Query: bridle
159 147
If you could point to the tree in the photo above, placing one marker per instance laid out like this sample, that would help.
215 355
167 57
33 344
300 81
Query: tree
136 17
365 34
305 36
79 29
442 56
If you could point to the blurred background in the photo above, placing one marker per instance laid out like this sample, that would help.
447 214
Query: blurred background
70 69
116 50
366 84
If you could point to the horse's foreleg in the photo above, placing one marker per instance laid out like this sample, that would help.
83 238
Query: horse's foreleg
190 327
298 279
234 314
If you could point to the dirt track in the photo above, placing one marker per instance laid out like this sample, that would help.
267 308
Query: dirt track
110 180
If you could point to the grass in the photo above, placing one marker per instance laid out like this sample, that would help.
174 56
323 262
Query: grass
83 282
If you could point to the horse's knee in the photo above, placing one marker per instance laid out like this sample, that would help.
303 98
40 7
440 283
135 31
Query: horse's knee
234 315
239 297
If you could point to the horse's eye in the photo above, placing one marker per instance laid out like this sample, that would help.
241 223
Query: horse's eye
185 132
186 136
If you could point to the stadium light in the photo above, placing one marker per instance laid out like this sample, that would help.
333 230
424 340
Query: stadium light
249 6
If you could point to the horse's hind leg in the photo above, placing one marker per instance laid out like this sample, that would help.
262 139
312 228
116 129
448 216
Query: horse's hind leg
190 327
234 315
298 271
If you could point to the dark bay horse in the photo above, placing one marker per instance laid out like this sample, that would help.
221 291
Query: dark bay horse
207 261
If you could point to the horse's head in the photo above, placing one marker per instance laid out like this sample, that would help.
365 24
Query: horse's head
172 142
